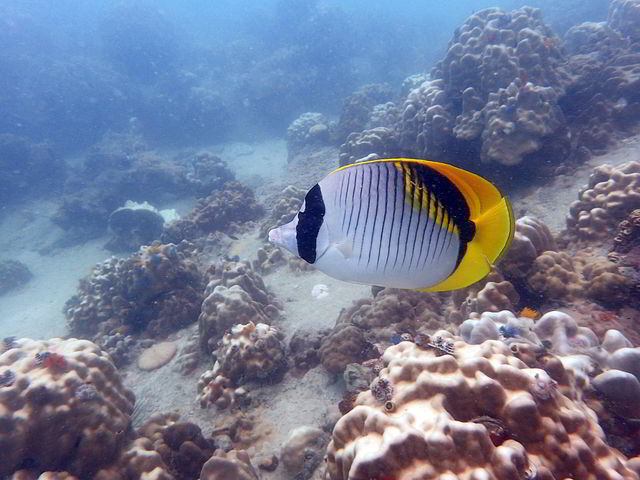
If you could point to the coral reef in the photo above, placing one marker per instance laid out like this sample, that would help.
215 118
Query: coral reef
612 193
158 290
379 142
133 226
358 108
480 411
66 407
344 345
180 444
624 17
491 294
304 348
223 210
394 311
498 85
303 451
234 464
235 294
249 352
121 168
309 130
531 238
284 207
554 277
13 274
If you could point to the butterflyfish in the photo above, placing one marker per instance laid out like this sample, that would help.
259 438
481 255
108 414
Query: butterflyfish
401 223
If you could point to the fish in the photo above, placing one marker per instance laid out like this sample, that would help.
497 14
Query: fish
402 223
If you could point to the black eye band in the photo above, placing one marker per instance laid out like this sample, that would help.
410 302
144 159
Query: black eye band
309 223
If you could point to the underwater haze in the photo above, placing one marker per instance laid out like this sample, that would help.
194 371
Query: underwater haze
320 240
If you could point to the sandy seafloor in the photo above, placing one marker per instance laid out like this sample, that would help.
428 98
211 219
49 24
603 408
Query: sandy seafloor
36 309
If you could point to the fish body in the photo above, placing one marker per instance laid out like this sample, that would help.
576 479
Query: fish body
401 223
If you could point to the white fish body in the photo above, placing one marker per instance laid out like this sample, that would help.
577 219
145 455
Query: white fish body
394 223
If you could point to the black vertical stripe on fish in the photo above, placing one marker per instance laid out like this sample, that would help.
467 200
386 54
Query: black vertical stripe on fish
375 213
309 223
412 185
343 202
386 207
353 203
402 207
393 214
434 224
337 197
413 249
439 225
366 219
446 232
426 224
355 230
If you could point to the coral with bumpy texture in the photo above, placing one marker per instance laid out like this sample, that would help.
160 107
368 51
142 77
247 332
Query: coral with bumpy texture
303 451
235 294
157 290
554 276
612 193
480 413
392 311
284 208
134 225
308 130
624 16
250 352
382 142
344 345
223 210
225 466
358 107
180 444
628 235
531 238
498 85
66 407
